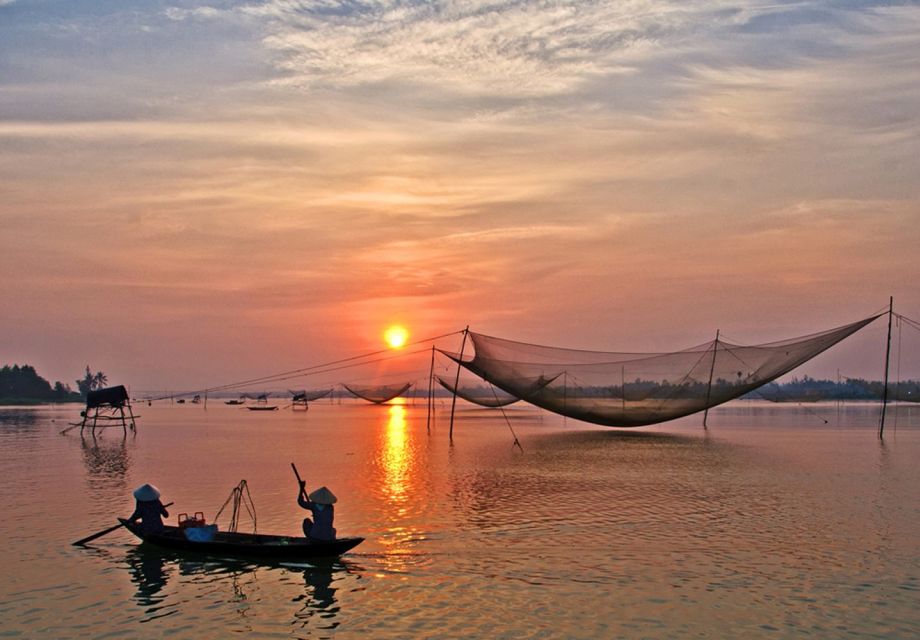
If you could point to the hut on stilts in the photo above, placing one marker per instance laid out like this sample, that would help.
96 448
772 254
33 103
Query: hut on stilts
108 407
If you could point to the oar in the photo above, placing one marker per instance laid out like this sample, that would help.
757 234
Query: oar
299 481
99 534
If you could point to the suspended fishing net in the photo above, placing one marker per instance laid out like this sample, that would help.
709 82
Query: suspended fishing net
492 397
379 395
309 396
636 389
483 396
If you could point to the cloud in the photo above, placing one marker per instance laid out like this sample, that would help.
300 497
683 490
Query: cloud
511 48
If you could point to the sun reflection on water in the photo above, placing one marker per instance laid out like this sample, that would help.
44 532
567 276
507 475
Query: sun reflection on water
398 464
397 459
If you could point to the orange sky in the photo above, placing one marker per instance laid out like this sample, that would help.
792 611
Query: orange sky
198 194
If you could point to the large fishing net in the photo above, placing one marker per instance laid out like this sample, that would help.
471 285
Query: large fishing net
636 389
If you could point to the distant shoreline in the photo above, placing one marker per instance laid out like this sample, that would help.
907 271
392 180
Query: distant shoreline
31 402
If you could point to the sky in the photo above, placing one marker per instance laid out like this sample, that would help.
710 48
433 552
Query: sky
195 193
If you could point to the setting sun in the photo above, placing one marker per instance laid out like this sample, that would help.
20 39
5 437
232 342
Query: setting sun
396 336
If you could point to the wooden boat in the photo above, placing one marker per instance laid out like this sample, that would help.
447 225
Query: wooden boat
263 408
253 545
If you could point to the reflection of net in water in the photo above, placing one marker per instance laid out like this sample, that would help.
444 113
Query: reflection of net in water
635 389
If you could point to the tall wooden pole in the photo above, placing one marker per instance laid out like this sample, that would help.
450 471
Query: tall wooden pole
623 386
453 403
712 368
430 398
881 422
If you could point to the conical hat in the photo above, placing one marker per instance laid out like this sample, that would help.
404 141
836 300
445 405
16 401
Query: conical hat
147 493
323 496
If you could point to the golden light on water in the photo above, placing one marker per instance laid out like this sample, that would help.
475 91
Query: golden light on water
396 459
396 336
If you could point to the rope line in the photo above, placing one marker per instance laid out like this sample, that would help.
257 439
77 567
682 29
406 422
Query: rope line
311 370
507 421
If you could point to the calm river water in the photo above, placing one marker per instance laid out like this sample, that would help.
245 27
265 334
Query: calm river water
771 524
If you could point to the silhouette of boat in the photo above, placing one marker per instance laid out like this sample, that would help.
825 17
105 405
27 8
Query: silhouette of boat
227 544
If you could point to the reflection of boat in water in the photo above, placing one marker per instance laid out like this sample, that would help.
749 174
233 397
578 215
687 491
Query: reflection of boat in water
229 544
263 408
151 568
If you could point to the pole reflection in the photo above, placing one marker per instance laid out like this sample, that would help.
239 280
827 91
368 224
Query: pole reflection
107 465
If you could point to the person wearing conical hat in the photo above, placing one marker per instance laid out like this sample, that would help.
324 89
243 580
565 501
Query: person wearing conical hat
149 509
320 504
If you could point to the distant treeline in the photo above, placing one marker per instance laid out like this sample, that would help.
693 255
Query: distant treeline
23 385
805 389
809 389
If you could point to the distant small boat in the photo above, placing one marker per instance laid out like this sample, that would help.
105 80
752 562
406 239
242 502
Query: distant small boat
263 408
235 402
180 401
227 544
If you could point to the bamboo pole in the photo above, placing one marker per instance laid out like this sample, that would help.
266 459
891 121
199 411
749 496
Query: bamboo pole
453 403
881 422
712 368
430 379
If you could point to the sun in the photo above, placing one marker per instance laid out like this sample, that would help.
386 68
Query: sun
396 336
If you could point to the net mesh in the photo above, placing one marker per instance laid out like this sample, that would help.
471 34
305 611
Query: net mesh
636 389
484 397
312 395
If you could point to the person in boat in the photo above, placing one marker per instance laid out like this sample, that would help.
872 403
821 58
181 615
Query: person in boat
320 504
149 509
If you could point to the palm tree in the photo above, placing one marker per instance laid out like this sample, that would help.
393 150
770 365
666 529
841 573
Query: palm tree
100 380
91 381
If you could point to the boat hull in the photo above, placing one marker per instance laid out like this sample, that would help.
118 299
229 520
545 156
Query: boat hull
247 545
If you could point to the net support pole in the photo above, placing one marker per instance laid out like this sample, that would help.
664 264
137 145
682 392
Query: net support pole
881 422
453 403
712 368
430 378
565 396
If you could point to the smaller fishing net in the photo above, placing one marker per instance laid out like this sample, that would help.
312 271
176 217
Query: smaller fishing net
483 396
380 394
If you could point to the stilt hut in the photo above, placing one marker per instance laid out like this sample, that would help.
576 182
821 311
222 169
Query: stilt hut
105 407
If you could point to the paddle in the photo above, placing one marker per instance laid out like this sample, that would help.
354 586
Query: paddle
99 534
299 481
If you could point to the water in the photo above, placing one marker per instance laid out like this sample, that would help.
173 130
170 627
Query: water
770 524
